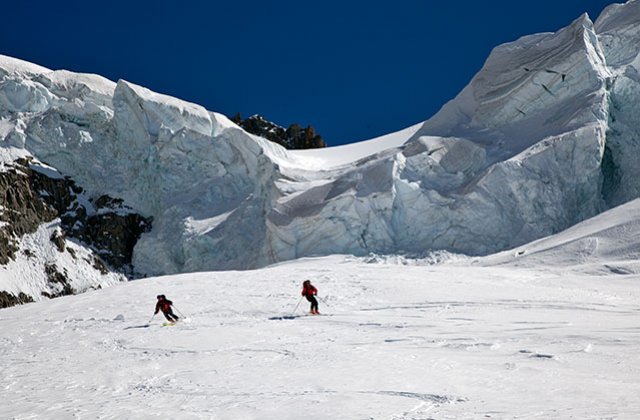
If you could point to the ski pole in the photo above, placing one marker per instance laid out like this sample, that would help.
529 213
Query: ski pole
323 301
151 319
296 308
183 315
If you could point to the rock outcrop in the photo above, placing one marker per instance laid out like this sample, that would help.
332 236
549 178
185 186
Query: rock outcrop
32 194
294 137
9 299
22 209
30 197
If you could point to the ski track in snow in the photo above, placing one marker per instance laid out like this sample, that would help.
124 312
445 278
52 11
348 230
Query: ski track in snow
401 342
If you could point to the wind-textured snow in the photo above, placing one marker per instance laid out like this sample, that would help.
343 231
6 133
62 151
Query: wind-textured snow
399 339
543 137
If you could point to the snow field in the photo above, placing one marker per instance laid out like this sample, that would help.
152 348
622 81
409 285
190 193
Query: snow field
397 342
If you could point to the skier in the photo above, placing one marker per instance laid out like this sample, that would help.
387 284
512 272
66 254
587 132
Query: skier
309 291
164 305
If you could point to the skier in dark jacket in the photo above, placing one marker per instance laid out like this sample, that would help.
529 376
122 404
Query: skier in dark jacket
310 293
164 305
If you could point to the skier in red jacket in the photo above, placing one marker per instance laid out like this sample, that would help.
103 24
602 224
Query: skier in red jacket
309 292
164 305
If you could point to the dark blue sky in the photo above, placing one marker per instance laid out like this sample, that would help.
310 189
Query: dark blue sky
352 69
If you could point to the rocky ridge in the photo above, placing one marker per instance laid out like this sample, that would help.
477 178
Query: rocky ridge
294 137
32 195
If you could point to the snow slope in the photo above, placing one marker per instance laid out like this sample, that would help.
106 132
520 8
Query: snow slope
398 341
331 157
606 243
543 137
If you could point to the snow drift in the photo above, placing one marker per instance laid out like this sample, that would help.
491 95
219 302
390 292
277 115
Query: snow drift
543 137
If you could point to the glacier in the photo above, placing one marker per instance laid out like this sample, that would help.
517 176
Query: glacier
543 137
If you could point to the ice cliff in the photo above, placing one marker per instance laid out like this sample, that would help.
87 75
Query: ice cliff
543 137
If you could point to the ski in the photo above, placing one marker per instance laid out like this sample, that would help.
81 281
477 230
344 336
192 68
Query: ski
286 317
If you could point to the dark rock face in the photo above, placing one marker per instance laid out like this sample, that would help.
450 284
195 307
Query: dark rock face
8 299
30 197
58 282
22 209
113 231
294 137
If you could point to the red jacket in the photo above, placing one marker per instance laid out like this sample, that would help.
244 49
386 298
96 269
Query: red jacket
163 305
309 290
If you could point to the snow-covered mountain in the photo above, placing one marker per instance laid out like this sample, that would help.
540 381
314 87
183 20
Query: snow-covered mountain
543 137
